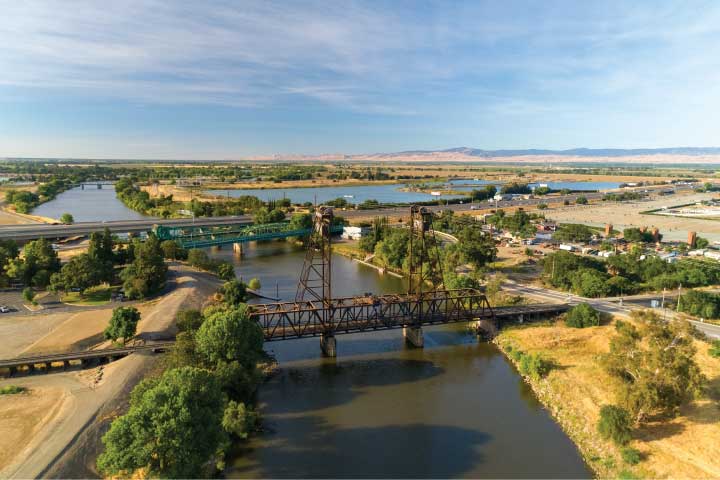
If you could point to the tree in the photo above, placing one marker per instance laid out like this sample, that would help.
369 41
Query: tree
581 201
100 250
234 292
173 427
38 263
589 282
123 324
8 251
254 284
476 247
188 320
701 242
227 336
654 365
582 315
172 250
198 258
29 295
146 274
81 273
573 232
263 215
238 420
67 219
614 424
226 271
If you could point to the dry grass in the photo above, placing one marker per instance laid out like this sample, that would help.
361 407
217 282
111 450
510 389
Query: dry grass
22 416
685 447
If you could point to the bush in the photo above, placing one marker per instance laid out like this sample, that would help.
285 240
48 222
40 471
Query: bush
11 390
28 294
581 316
516 355
542 206
630 455
614 424
715 349
254 284
534 366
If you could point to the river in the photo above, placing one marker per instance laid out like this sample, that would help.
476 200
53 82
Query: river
91 204
456 408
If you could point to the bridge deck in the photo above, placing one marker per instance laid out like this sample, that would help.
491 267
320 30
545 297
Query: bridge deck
84 355
282 321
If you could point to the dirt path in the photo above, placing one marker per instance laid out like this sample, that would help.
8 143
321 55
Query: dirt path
86 393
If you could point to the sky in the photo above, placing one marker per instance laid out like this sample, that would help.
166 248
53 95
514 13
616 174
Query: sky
229 80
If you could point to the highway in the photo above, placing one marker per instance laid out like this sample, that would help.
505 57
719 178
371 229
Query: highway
35 231
611 306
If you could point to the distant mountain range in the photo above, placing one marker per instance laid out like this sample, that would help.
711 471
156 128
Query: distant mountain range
574 152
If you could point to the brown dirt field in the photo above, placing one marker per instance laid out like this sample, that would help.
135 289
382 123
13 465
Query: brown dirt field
686 447
23 415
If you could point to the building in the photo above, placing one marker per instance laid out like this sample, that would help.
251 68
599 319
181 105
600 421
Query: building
354 233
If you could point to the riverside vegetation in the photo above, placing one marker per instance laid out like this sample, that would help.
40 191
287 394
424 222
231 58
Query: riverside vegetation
630 399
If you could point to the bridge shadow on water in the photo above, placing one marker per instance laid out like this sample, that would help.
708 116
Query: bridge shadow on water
329 384
392 451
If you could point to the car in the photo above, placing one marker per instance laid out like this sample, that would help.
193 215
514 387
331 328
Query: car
4 309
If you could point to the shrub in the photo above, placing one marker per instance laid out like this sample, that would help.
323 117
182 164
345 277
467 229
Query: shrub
534 366
614 424
581 316
630 455
715 349
189 320
11 390
28 294
254 284
516 355
542 206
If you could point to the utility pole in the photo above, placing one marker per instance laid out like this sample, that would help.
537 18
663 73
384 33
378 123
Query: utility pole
679 295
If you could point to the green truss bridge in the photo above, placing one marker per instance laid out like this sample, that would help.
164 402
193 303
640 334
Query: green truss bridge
199 237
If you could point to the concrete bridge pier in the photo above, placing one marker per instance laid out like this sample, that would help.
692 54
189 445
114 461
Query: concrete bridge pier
328 345
414 336
485 328
238 249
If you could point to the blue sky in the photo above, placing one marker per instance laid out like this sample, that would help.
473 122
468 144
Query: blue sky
218 80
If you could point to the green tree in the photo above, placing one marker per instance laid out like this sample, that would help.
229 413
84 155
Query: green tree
227 336
67 219
100 250
254 284
572 232
198 258
29 295
172 250
38 263
188 320
8 251
630 455
234 292
173 427
534 366
147 273
615 424
589 282
123 324
581 201
582 315
226 271
476 247
654 365
81 272
238 420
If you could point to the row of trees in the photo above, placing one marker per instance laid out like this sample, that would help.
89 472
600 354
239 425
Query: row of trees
24 201
625 274
211 375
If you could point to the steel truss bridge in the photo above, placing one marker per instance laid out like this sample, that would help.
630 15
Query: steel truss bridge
288 320
200 237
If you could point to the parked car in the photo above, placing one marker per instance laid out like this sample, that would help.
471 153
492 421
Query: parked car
4 309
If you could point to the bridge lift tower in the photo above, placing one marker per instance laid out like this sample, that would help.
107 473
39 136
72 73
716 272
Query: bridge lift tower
315 287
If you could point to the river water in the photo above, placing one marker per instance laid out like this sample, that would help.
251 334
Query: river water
91 204
456 408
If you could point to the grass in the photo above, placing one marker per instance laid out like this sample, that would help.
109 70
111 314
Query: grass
11 390
578 387
92 297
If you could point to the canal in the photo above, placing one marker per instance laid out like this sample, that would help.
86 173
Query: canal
457 408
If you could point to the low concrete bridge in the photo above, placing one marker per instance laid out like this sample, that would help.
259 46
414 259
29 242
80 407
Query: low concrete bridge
84 357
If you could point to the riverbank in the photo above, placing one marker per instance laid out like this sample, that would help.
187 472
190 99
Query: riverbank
577 387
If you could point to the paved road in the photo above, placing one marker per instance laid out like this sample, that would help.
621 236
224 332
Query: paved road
611 306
